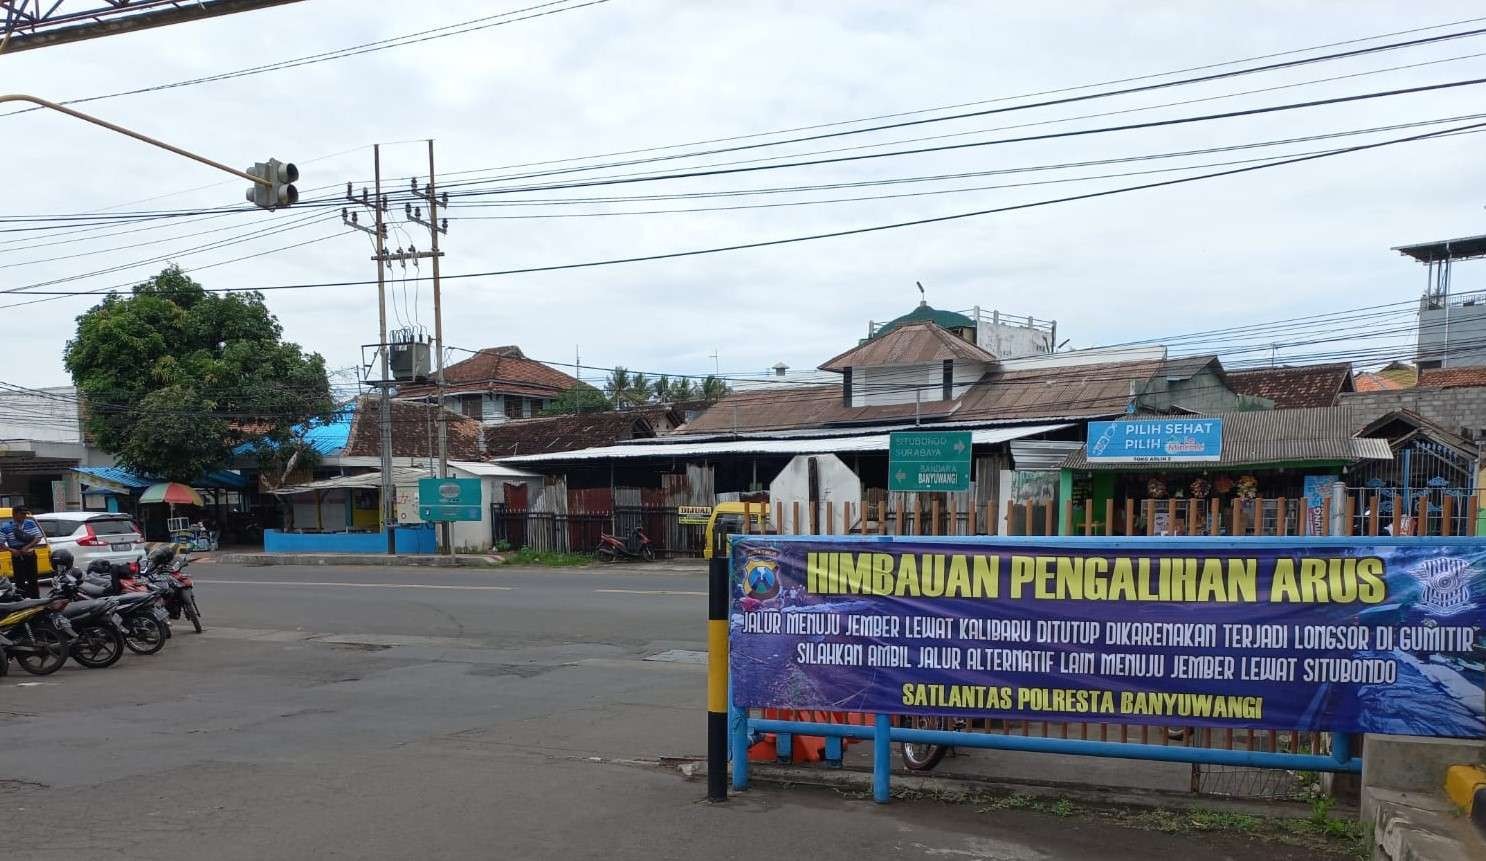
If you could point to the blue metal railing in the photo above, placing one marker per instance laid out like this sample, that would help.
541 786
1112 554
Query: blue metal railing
882 734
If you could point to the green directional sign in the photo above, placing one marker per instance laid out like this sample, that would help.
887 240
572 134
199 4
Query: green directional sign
922 461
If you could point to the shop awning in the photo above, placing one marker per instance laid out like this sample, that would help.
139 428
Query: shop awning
121 480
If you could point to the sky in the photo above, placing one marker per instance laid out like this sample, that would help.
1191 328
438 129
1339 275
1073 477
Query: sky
622 75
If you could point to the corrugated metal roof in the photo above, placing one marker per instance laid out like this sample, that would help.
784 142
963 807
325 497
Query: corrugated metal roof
113 475
911 344
866 442
401 475
490 470
1319 434
1041 453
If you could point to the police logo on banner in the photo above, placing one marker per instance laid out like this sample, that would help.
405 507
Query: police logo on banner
761 576
1444 585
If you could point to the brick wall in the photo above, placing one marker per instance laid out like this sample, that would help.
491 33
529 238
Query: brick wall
1462 410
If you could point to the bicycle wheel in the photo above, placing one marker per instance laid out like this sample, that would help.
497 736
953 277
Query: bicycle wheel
923 757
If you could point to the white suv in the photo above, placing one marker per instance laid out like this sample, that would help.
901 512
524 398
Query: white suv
92 535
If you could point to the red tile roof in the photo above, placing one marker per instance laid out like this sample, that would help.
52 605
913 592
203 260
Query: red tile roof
1368 381
1452 378
411 435
565 433
1295 387
502 370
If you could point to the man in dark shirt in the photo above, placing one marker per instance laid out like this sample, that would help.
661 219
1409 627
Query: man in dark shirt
21 536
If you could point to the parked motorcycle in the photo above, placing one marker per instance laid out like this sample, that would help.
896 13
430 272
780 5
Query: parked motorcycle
638 546
167 569
141 606
39 636
96 621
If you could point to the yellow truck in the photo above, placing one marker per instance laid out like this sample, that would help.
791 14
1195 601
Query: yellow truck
43 555
727 518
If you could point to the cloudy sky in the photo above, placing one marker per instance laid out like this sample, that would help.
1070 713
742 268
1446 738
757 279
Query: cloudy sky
583 84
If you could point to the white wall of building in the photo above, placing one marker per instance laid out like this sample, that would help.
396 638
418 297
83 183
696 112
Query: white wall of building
837 484
49 415
897 384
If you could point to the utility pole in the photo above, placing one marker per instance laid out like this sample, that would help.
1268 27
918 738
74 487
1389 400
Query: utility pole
379 235
435 227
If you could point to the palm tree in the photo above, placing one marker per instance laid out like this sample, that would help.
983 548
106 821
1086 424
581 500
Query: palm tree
683 389
618 385
714 389
639 390
662 388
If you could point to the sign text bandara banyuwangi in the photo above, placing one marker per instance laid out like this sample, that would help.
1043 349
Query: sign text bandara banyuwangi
1366 637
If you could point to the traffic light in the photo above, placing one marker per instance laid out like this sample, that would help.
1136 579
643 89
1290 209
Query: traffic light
280 190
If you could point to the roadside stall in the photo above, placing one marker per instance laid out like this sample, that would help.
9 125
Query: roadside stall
1268 472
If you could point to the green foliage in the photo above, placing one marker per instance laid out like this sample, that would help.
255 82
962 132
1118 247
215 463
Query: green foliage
714 389
174 378
581 398
548 558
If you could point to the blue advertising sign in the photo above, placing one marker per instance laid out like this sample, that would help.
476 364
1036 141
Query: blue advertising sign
1162 440
449 499
1372 635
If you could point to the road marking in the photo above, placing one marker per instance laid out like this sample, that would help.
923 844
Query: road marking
647 592
358 585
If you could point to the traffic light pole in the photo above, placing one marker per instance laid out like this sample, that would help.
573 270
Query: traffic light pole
53 106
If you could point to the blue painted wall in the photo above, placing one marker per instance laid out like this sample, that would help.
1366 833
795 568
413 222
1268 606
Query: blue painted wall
410 539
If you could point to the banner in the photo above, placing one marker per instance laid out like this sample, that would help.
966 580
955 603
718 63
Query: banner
1373 636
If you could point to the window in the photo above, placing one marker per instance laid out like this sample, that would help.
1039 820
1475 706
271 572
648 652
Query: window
111 526
56 528
513 407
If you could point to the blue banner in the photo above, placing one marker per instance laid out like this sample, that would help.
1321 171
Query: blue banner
1163 440
1365 635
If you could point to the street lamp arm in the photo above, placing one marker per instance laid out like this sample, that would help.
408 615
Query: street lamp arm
20 97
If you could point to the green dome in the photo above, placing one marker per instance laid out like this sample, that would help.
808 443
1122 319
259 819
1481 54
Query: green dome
925 313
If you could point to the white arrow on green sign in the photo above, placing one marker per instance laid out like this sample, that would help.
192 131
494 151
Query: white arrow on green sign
925 461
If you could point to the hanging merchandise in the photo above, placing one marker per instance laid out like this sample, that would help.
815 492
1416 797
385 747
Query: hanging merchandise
1223 485
1248 487
1156 488
1200 488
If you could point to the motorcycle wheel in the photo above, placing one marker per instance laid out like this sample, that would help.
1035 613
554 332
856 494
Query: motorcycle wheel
98 647
605 554
50 652
144 635
4 663
189 605
647 554
923 757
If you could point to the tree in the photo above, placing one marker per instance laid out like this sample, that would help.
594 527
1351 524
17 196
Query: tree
639 391
174 378
581 398
714 389
682 389
618 385
662 389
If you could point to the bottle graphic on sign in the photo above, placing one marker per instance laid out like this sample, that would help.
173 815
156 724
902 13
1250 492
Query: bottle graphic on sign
1104 440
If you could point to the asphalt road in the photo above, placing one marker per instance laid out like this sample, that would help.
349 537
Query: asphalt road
412 713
